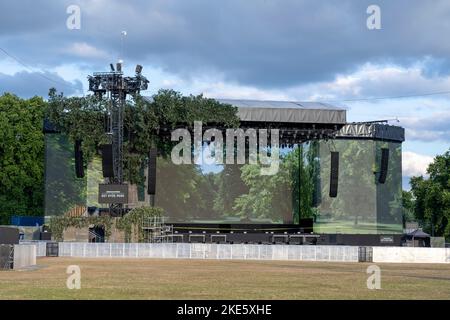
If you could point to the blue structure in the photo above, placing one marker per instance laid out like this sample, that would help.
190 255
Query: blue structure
27 221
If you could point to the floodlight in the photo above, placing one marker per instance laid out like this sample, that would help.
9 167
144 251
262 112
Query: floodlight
112 67
138 68
119 66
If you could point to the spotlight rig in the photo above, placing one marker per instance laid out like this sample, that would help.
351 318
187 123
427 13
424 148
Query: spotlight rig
115 83
117 87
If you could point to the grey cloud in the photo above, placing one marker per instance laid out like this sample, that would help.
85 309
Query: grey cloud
24 17
432 128
29 84
427 135
264 43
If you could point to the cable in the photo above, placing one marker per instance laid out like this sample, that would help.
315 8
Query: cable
376 121
39 73
391 97
328 101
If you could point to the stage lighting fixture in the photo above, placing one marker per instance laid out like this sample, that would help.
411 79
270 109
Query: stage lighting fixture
118 87
138 68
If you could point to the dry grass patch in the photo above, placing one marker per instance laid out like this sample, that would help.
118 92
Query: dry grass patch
222 279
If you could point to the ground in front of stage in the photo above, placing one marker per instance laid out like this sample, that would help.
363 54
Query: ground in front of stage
213 279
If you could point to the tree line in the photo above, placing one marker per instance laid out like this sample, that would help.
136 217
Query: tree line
428 201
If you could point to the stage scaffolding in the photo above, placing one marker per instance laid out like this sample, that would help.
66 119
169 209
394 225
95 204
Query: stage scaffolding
155 230
6 256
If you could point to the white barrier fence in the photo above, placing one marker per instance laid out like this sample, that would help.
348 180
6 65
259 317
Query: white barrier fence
24 256
411 255
41 247
209 251
243 252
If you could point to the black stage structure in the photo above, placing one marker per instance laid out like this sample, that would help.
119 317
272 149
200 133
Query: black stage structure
297 122
116 86
300 122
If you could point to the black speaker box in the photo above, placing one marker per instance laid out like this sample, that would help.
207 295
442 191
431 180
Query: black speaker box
9 235
334 174
52 249
47 236
151 183
107 161
79 166
384 165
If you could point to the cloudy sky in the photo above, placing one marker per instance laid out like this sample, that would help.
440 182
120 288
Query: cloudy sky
260 49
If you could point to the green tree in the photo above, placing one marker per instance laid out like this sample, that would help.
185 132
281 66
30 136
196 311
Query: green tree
230 186
180 190
408 204
275 197
147 124
356 193
304 167
432 197
21 156
63 190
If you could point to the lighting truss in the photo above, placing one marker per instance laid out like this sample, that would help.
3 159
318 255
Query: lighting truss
117 87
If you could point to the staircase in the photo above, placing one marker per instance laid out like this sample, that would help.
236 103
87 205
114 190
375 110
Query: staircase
95 237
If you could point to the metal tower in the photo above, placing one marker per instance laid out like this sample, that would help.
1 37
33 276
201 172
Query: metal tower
116 87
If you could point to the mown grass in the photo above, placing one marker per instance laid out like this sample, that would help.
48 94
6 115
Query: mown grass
213 279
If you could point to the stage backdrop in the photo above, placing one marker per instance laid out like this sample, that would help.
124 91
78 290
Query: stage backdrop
233 193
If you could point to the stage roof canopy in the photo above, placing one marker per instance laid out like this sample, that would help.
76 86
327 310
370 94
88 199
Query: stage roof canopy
379 131
286 111
328 120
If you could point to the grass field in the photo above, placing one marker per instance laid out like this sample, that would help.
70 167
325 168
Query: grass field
212 279
349 227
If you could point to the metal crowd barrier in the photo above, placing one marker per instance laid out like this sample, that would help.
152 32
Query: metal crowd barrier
209 251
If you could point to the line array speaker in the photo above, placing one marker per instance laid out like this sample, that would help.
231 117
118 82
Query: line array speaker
107 161
151 184
334 174
384 165
79 166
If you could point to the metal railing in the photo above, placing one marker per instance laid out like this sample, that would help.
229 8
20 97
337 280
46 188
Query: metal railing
95 236
209 251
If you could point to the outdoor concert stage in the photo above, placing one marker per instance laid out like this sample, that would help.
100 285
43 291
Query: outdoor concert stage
337 183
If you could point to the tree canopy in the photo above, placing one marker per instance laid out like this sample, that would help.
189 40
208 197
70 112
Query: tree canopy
21 156
432 197
83 118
